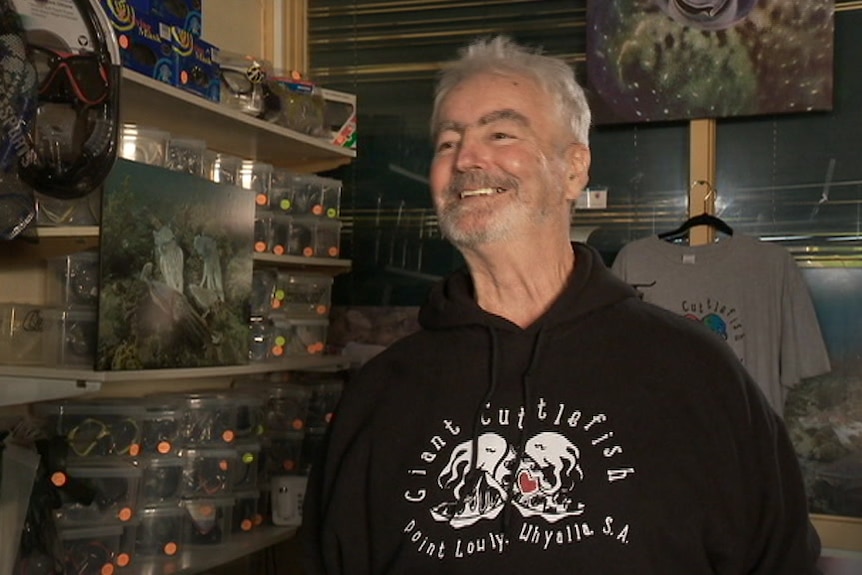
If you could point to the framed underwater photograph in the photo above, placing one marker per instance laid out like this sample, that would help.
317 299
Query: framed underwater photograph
657 60
176 270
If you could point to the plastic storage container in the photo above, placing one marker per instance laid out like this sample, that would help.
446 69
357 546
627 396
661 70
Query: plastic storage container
160 531
246 513
208 521
221 168
95 550
327 238
161 479
97 492
303 294
96 427
186 155
298 336
144 145
22 334
73 280
71 336
208 472
292 236
246 467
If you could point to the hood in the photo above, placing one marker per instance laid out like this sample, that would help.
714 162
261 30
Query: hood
452 302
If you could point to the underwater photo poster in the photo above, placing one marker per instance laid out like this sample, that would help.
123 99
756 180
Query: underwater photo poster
665 60
176 270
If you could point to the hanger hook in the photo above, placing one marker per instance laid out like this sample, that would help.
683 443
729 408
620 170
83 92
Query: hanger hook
710 193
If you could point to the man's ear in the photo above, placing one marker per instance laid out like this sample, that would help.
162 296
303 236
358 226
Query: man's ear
578 174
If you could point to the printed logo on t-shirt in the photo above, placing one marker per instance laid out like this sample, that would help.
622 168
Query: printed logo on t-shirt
453 486
721 318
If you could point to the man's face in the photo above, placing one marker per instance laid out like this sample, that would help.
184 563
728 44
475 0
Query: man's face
502 162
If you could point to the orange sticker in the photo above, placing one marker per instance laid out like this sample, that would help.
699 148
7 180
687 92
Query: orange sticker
123 41
164 447
260 247
307 252
278 250
170 548
125 514
321 309
246 525
184 77
277 350
260 199
317 210
123 559
134 449
58 478
228 435
107 569
333 252
297 424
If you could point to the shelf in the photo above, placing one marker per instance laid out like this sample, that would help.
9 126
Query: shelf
202 559
329 264
149 102
286 364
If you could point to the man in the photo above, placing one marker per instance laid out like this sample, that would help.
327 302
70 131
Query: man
544 419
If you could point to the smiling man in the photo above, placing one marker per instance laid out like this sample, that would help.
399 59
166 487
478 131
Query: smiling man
544 418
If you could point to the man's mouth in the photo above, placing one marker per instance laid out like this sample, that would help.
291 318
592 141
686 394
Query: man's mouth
481 192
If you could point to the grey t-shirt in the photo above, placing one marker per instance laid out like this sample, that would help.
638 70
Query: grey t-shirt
749 292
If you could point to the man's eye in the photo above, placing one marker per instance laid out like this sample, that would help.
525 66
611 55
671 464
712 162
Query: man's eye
444 146
501 136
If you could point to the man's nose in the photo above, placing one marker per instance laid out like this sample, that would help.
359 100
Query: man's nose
472 153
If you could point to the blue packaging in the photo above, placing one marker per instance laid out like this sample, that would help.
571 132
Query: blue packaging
197 68
145 42
184 14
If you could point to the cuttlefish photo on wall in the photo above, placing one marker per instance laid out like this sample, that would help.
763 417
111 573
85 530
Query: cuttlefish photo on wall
656 60
176 269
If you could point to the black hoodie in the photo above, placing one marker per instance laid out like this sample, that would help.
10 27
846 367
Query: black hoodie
610 437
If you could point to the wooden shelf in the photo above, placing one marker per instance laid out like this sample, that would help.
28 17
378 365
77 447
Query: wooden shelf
333 265
200 559
149 102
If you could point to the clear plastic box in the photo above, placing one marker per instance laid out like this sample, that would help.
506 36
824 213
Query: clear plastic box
281 453
292 236
144 145
209 418
160 531
325 395
303 294
207 472
246 468
161 426
73 280
261 335
22 334
97 492
246 511
298 336
186 155
256 177
327 238
161 479
305 194
92 550
262 233
102 427
285 405
264 282
208 521
71 336
221 168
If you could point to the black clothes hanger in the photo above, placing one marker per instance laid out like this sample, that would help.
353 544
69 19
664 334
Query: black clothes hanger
704 219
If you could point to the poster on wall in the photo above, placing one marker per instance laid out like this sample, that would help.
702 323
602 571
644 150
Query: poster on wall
824 414
662 60
176 269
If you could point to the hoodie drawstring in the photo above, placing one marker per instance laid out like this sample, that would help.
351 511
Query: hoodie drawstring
527 397
489 392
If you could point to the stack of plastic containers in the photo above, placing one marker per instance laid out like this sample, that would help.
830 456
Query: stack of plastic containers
96 478
289 314
296 414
